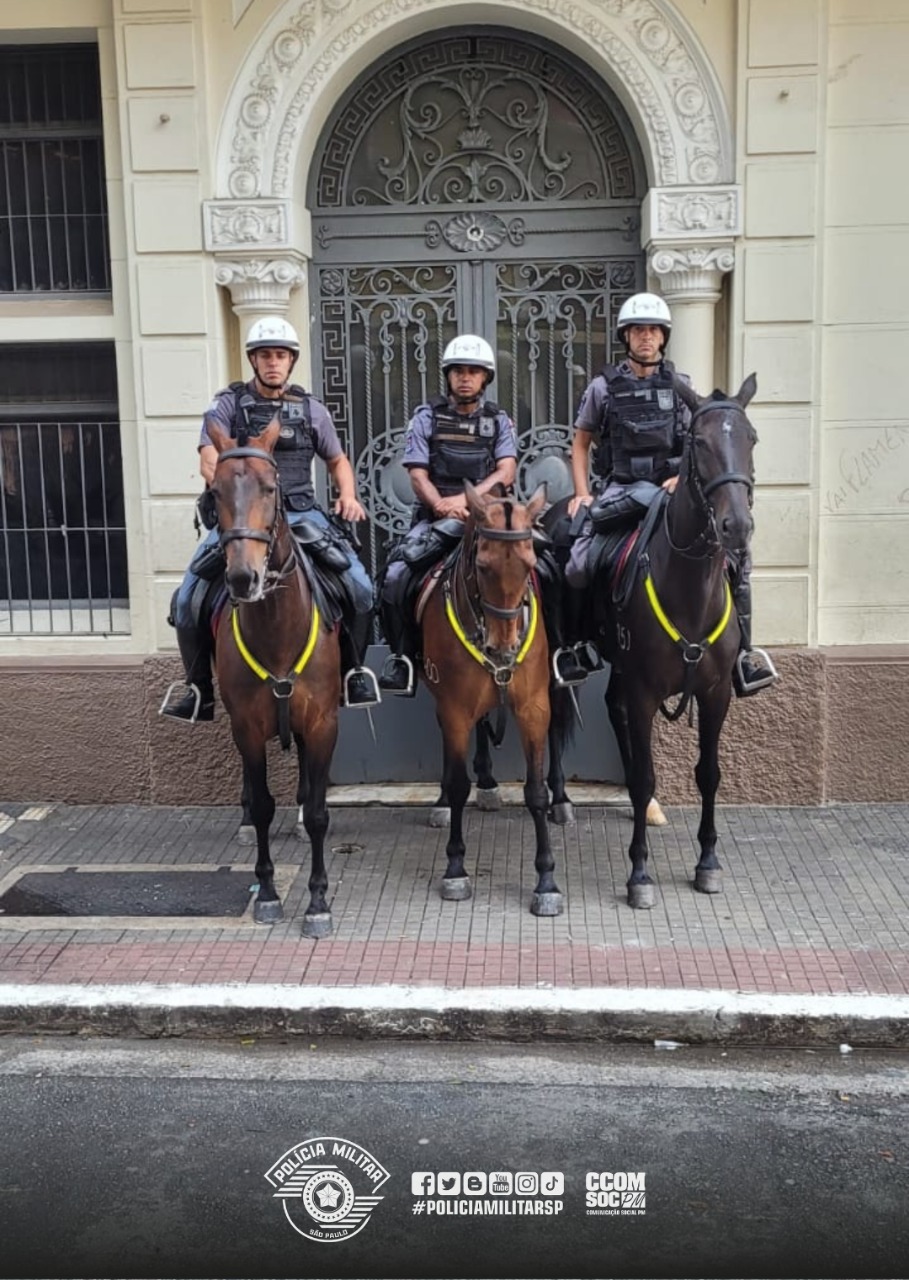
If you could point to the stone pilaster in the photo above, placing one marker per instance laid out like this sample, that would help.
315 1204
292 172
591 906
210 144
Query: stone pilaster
689 237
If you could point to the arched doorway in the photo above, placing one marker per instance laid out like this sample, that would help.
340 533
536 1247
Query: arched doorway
471 182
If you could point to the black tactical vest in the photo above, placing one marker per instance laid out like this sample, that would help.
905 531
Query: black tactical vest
461 446
639 424
294 450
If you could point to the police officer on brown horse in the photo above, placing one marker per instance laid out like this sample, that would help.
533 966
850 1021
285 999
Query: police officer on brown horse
637 422
307 431
457 437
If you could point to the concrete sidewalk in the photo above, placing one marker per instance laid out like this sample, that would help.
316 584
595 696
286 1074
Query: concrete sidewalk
808 943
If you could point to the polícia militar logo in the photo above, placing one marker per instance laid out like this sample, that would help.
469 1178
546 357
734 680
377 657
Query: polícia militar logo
328 1187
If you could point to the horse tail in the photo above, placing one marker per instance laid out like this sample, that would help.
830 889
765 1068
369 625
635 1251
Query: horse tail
563 722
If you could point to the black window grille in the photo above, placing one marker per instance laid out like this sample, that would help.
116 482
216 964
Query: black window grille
63 562
53 199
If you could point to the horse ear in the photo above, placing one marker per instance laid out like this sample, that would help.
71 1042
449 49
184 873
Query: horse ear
537 502
746 390
686 393
475 503
269 437
219 437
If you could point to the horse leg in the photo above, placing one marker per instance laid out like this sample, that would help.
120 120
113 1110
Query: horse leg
561 810
638 722
440 813
302 783
708 874
618 718
456 785
547 897
247 832
313 787
487 787
267 909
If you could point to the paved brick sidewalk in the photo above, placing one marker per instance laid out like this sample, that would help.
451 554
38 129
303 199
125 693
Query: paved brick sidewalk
816 903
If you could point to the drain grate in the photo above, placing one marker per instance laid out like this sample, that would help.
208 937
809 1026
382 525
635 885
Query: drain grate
220 892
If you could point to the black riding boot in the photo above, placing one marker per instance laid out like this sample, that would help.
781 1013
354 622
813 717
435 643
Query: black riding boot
198 703
397 675
753 669
567 668
360 687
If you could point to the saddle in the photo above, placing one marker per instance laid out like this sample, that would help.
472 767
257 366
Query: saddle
618 555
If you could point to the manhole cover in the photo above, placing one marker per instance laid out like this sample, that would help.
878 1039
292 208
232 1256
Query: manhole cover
222 892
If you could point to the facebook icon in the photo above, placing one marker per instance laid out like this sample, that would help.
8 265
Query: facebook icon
422 1184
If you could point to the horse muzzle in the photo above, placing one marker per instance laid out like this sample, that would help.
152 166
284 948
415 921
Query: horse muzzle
245 585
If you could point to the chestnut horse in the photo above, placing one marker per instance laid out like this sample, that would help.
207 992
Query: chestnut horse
484 650
278 665
677 632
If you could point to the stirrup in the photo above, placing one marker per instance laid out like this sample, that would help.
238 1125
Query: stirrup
198 704
374 697
557 676
743 687
395 662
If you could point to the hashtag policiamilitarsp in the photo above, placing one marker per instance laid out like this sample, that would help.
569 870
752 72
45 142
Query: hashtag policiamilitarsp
488 1208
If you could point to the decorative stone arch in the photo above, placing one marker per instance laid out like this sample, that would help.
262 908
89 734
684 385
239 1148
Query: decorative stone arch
310 52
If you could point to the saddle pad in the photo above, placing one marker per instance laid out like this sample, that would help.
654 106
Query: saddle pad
623 556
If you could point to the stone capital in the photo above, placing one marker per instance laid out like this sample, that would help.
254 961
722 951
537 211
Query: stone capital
260 284
690 272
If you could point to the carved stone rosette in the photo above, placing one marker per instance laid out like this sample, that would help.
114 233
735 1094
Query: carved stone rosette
260 285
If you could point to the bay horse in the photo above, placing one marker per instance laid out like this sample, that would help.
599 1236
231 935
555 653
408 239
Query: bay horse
677 632
278 665
484 650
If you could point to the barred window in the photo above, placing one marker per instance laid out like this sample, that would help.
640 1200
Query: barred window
62 520
53 200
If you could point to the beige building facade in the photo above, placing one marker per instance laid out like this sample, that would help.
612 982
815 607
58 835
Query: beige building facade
770 211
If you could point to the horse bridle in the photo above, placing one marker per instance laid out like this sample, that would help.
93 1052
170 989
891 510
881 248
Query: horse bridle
502 535
702 490
269 536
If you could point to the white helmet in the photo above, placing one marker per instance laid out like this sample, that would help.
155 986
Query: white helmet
273 331
467 348
644 308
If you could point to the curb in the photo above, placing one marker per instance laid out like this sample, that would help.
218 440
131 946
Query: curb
439 1014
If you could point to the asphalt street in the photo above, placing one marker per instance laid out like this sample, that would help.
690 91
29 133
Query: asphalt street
130 1159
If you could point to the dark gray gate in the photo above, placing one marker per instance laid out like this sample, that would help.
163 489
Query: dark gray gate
469 183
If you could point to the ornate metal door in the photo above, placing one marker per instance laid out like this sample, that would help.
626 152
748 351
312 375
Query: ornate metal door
476 183
471 183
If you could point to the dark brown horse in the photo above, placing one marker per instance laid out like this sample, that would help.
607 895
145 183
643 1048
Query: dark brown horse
277 664
677 634
484 651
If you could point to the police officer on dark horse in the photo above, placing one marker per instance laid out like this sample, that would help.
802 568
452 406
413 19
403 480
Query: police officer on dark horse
306 432
634 415
456 437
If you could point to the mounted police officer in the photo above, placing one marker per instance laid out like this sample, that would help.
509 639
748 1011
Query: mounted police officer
457 437
307 431
637 421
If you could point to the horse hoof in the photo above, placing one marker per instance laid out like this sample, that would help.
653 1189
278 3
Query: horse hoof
457 889
246 835
317 924
488 799
655 815
268 912
546 904
709 880
642 896
562 814
440 818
